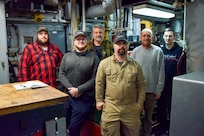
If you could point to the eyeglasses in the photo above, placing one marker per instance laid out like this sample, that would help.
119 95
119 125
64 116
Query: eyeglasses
84 39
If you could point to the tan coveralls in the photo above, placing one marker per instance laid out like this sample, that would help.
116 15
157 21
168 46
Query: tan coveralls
122 88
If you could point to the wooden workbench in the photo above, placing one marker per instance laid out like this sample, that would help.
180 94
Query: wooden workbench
25 112
12 100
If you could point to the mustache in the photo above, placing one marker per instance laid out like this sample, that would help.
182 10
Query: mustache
44 37
99 37
122 49
39 41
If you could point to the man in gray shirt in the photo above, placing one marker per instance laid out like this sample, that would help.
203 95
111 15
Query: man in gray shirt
151 59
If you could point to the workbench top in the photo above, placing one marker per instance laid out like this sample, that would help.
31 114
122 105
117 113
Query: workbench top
12 100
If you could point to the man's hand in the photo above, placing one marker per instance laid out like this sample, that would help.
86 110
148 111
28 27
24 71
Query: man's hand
73 91
139 106
157 96
99 105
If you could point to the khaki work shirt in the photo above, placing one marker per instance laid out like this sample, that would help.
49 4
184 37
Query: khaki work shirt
120 85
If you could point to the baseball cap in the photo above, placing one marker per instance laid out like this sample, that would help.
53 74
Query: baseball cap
120 37
42 28
79 32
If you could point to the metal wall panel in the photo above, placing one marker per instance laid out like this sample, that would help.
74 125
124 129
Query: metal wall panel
58 37
187 109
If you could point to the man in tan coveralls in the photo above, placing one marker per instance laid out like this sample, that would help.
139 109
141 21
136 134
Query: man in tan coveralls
120 91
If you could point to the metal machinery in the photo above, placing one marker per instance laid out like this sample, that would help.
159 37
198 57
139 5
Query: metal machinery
187 105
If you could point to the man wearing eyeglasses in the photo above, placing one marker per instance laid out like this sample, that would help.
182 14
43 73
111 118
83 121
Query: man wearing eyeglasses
77 73
120 91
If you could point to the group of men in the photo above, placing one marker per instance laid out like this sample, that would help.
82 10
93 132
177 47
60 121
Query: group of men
101 72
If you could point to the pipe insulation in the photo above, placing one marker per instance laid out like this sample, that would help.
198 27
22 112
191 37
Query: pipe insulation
107 7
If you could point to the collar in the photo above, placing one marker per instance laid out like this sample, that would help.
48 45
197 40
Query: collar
81 53
115 60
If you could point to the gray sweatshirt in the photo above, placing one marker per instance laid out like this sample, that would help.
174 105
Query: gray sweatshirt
152 63
79 70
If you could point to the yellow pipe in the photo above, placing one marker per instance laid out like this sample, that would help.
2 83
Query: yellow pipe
106 28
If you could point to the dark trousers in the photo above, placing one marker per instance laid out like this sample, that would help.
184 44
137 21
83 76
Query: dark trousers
149 106
77 113
164 106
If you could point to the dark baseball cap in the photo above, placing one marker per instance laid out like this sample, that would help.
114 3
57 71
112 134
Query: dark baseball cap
120 37
42 28
79 32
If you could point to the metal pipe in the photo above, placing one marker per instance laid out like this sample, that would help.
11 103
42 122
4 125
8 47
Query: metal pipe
74 22
27 20
184 23
51 2
107 7
83 16
95 20
4 68
106 28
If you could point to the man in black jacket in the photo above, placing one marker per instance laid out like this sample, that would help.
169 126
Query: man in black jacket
173 55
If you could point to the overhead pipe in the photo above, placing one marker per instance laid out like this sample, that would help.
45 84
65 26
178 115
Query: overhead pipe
107 7
53 3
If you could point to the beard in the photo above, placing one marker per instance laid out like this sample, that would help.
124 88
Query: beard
99 39
43 43
81 49
122 52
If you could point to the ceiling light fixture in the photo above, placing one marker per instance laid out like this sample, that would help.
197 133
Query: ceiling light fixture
153 11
